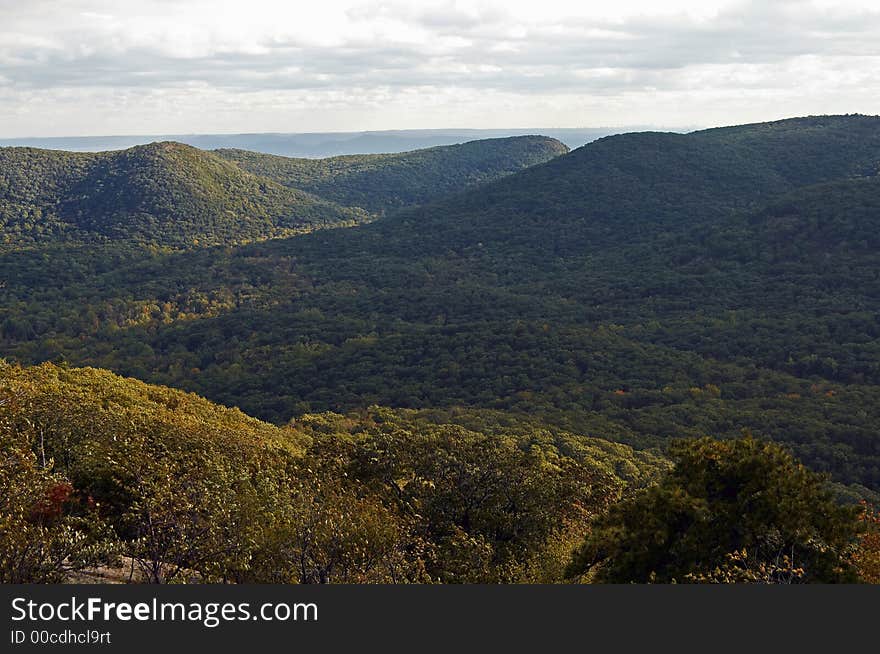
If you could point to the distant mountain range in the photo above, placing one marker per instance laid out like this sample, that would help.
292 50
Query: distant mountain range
327 144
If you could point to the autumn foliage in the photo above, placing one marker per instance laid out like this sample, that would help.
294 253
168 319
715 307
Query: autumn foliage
867 554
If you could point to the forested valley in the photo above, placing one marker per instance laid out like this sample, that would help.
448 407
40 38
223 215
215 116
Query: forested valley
654 358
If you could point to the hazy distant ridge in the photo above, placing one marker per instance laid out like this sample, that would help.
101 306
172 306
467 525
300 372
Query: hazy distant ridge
322 144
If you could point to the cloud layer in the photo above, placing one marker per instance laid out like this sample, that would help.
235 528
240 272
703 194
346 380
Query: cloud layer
96 66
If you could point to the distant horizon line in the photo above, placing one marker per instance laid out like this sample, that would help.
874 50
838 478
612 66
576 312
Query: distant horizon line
632 126
356 131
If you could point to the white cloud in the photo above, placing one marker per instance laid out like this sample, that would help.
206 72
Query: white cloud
101 66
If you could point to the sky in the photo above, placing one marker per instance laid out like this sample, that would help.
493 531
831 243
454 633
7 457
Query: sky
103 67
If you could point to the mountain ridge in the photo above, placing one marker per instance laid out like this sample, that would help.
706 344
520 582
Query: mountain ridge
404 178
163 193
170 194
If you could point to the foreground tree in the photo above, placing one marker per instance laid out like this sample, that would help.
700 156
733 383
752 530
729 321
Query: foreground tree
47 531
729 511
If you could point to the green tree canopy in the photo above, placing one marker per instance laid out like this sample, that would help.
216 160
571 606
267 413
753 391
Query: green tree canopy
738 510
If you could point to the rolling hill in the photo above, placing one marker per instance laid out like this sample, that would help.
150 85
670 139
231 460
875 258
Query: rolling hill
380 183
163 193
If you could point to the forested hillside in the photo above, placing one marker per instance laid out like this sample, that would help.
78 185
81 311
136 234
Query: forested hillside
162 194
174 195
95 467
110 479
380 183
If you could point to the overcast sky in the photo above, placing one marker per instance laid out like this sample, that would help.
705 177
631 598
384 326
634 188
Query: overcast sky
95 67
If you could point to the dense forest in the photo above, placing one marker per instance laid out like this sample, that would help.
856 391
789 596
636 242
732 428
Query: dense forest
102 475
526 332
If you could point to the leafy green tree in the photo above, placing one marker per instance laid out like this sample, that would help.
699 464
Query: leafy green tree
739 510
